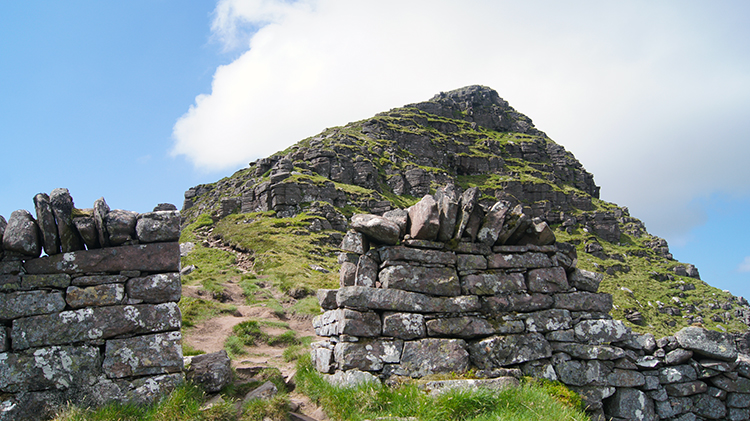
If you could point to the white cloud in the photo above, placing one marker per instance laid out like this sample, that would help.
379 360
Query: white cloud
744 266
643 93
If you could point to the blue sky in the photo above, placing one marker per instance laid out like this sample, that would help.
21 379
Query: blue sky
137 101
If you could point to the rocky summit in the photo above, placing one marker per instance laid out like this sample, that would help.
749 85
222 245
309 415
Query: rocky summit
467 141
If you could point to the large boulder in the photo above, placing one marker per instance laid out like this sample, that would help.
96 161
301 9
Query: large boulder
493 223
120 226
447 204
22 234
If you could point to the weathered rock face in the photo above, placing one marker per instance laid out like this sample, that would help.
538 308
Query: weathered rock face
211 371
46 220
62 206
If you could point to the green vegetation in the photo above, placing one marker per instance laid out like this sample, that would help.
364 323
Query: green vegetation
251 333
534 400
195 310
283 249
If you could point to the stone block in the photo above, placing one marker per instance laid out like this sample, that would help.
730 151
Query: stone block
686 389
465 327
355 242
28 303
211 371
321 354
347 322
438 387
738 400
677 374
56 367
547 280
347 274
470 262
524 260
547 320
92 324
377 228
601 331
516 302
404 325
738 414
157 288
366 274
327 298
442 281
589 352
154 257
738 385
584 301
583 373
98 280
398 300
708 407
22 234
424 219
500 351
161 226
584 280
60 280
433 356
10 267
367 354
409 254
493 283
96 295
159 353
10 283
626 378
630 404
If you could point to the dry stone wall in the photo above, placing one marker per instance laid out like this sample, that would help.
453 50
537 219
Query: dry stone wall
87 323
437 289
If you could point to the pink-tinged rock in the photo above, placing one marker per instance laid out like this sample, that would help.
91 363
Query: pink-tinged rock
493 223
157 288
62 206
424 219
584 280
327 298
46 221
154 257
160 353
22 234
97 295
516 223
376 228
548 280
400 217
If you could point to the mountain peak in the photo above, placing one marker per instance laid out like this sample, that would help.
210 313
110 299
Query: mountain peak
481 105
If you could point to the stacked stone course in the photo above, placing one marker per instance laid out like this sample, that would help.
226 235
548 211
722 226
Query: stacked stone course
447 286
87 324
